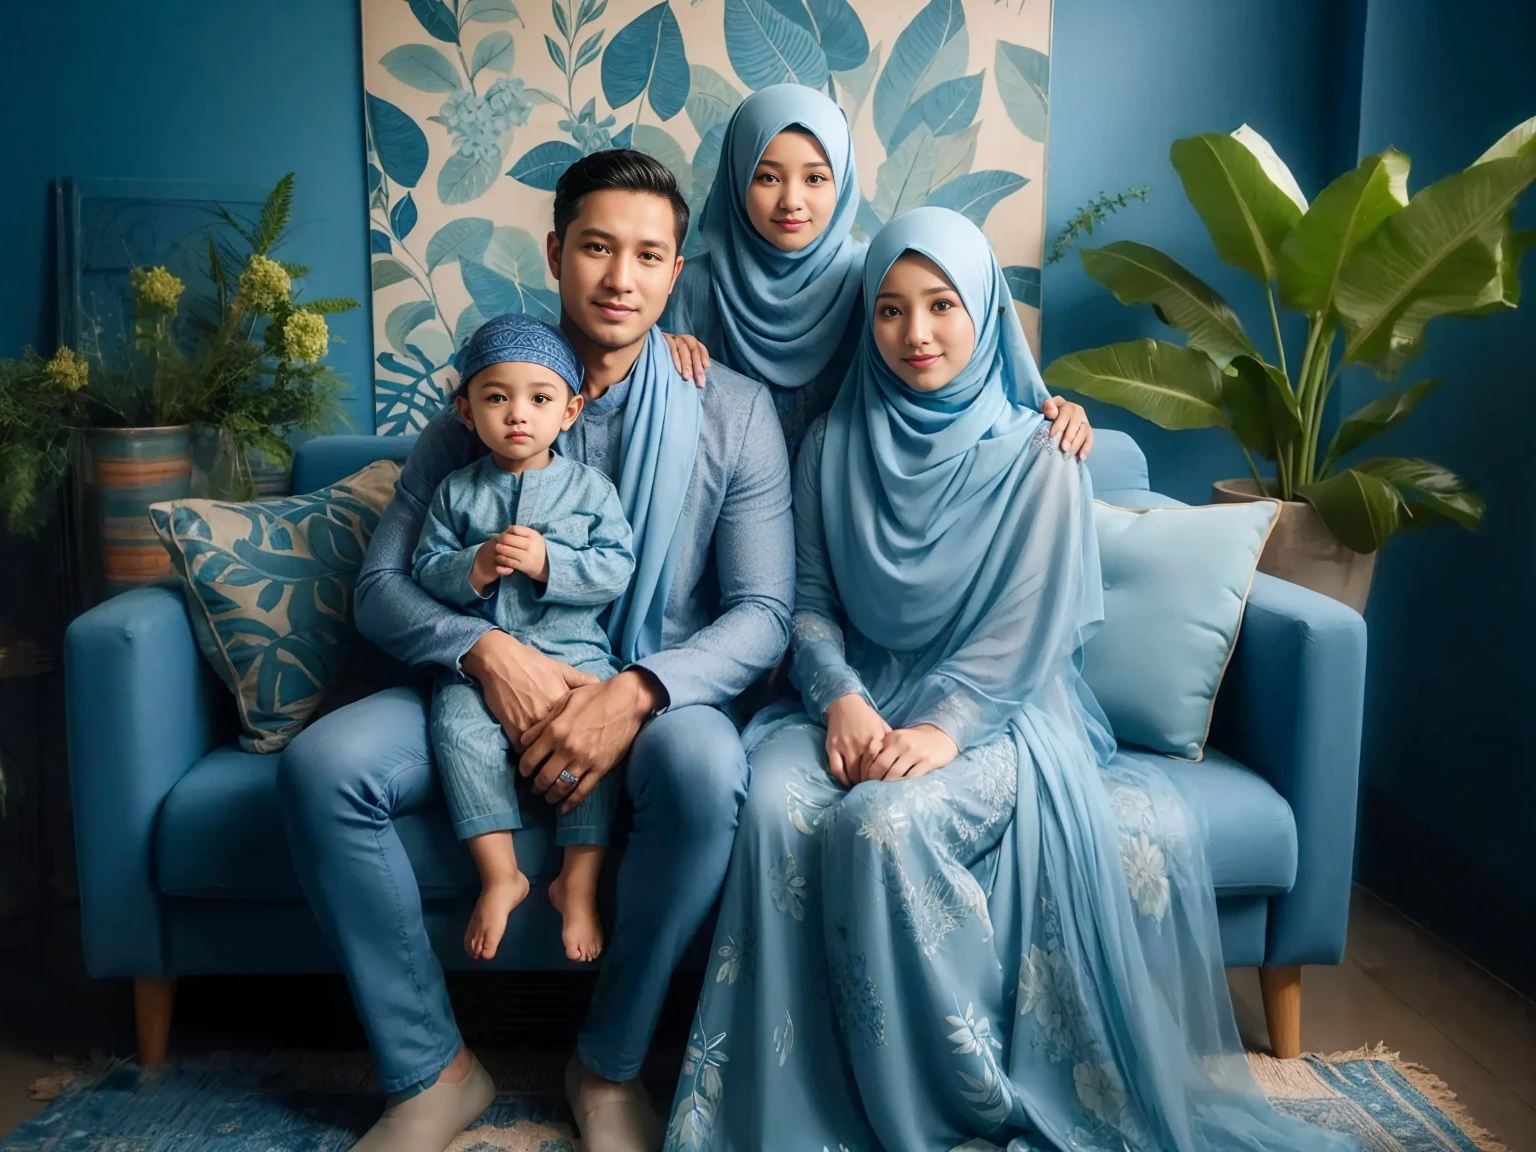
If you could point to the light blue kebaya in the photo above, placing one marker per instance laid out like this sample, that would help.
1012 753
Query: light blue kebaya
1019 948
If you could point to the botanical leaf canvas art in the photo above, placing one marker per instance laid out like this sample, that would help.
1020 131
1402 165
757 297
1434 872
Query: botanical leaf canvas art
475 107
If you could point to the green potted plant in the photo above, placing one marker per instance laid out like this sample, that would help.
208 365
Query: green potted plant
238 368
258 352
1368 267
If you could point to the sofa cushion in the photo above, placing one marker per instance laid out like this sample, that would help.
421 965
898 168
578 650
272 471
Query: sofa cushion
1250 838
269 592
220 835
1176 582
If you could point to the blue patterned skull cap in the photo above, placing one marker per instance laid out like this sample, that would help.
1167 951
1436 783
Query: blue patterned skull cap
515 338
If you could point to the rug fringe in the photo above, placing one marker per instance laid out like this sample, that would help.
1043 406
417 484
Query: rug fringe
1286 1079
75 1074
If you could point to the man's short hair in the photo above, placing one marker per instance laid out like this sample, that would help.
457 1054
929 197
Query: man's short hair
623 170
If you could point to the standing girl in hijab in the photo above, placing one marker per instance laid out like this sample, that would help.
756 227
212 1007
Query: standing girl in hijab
929 934
776 296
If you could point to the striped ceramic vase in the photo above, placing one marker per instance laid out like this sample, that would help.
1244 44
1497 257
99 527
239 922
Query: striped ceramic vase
133 468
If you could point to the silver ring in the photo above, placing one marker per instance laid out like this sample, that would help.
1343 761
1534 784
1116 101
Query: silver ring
567 778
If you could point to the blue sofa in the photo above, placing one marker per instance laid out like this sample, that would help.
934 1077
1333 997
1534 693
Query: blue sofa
184 868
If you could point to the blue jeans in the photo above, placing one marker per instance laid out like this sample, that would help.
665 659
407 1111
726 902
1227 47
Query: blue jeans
345 777
474 761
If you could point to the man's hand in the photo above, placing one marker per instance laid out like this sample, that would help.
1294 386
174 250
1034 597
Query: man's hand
908 753
525 552
521 685
1069 421
588 736
688 356
854 733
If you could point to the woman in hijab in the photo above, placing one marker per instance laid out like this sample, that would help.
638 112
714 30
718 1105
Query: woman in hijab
931 932
776 296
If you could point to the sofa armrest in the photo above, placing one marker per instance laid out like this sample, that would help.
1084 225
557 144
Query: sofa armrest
1291 709
141 708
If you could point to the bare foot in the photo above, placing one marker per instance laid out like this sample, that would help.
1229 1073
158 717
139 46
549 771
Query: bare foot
583 931
489 919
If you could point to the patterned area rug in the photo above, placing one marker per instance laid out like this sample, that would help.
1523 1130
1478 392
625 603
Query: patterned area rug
320 1103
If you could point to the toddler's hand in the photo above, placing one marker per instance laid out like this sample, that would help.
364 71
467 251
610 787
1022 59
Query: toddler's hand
854 733
522 550
490 564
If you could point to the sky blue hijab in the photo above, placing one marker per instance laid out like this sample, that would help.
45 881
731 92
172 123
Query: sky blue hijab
917 488
783 315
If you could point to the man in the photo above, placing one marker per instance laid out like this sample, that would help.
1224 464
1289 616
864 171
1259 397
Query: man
728 587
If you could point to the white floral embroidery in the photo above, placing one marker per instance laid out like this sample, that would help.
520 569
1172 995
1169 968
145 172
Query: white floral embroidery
1133 807
788 887
1100 1090
931 913
1048 991
929 794
693 1120
969 897
784 1039
1146 874
736 959
808 805
990 1093
885 827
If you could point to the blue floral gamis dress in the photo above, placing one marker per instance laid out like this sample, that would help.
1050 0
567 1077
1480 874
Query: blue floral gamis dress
1019 949
789 319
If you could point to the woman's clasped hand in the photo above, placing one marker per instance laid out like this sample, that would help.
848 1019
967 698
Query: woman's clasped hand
861 746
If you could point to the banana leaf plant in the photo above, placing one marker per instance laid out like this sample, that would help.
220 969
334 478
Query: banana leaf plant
1368 266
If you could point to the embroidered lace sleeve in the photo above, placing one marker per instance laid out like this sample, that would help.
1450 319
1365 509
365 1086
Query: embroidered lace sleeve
820 667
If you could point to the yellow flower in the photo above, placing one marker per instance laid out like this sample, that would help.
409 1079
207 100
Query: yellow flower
265 283
305 336
67 371
158 288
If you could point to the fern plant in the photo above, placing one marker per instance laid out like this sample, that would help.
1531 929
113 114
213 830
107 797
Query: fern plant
1367 266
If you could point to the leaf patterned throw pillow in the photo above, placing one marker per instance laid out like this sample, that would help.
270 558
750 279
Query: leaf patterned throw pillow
269 592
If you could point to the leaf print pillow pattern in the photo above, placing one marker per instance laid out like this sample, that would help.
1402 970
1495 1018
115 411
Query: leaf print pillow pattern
269 592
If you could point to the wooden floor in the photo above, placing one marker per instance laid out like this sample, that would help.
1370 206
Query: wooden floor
1398 985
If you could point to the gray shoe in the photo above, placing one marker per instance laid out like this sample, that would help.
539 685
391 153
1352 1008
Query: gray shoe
612 1116
429 1120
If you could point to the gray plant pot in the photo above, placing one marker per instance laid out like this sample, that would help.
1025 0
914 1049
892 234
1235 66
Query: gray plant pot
1303 551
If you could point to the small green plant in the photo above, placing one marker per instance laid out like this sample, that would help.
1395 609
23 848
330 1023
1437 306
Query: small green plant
1090 216
1367 266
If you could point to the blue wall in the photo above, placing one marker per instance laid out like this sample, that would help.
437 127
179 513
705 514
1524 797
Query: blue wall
1127 79
212 92
1449 805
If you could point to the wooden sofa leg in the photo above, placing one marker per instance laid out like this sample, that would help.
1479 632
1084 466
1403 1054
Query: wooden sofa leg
153 999
1281 988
